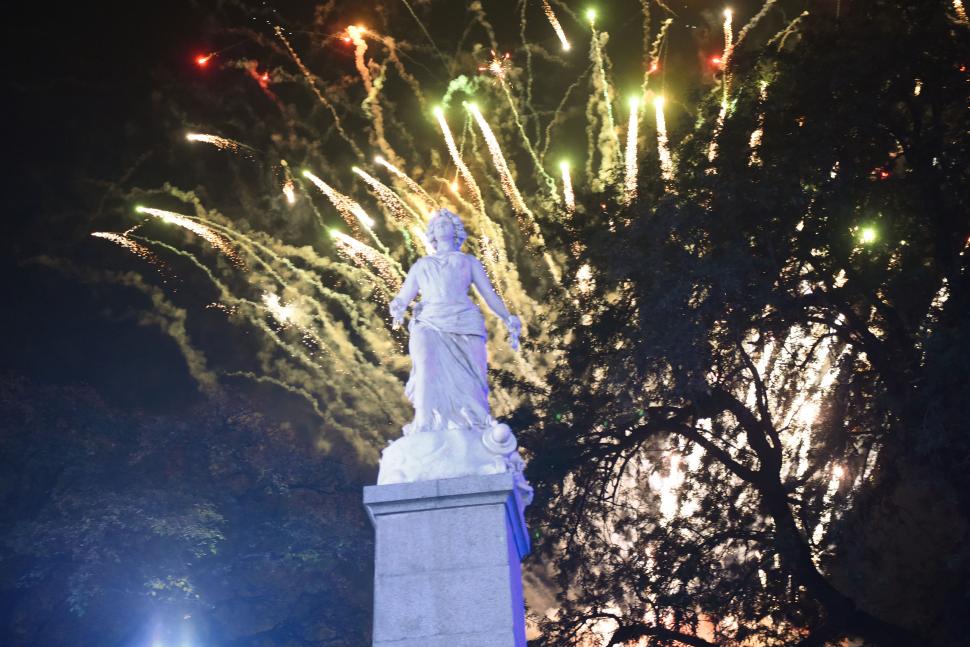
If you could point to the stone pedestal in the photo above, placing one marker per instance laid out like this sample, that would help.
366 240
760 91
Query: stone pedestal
447 571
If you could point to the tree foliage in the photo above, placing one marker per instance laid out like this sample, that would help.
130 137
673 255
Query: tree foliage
215 527
759 433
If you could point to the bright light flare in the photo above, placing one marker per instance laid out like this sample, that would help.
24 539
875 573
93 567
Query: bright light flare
289 191
591 15
868 235
203 59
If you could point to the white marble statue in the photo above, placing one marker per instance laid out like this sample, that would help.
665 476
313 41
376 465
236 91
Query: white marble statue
453 433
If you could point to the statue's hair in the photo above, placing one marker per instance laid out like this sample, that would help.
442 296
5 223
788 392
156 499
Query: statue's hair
460 233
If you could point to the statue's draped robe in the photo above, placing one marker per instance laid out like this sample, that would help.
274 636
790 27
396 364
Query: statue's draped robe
448 382
452 433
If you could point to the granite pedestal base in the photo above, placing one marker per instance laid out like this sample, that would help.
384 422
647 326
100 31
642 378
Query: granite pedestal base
447 570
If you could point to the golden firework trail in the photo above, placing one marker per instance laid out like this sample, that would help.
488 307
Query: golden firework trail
567 188
663 147
363 254
190 224
728 51
399 209
466 174
135 248
630 179
222 143
351 211
498 159
423 202
551 15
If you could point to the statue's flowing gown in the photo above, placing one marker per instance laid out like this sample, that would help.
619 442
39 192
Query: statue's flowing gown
452 433
448 382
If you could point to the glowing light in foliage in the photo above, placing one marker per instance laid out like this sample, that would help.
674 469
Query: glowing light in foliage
867 235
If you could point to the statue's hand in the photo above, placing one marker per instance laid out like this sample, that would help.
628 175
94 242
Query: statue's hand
397 313
515 331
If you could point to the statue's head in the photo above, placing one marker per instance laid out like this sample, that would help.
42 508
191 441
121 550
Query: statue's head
439 224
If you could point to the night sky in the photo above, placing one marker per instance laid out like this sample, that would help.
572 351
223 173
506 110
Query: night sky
80 83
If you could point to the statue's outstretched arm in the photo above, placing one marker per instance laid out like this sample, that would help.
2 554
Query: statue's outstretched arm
400 303
484 286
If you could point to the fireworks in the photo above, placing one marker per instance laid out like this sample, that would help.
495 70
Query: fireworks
630 179
567 187
508 180
222 143
351 211
550 14
459 163
190 224
365 254
135 248
728 51
391 201
289 191
663 147
496 175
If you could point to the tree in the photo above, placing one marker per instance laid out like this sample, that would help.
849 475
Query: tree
220 526
761 406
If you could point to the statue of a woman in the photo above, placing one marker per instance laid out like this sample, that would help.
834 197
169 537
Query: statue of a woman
453 433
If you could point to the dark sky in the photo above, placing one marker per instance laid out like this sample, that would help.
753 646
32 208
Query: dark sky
78 79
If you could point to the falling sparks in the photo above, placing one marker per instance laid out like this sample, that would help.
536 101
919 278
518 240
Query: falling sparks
365 254
352 213
391 201
498 159
663 148
551 15
132 246
289 191
630 179
206 233
422 201
567 187
222 143
456 158
728 51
